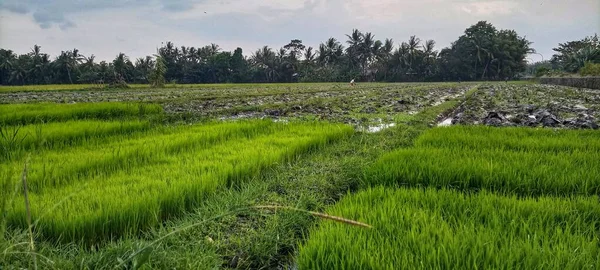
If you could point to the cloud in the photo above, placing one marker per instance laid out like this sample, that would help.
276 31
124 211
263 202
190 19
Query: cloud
137 27
16 7
491 8
48 13
177 5
46 19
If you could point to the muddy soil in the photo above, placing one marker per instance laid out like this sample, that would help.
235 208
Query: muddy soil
362 105
531 105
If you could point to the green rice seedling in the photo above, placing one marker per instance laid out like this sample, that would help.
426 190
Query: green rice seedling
70 165
105 206
21 114
511 139
517 160
39 137
10 141
446 229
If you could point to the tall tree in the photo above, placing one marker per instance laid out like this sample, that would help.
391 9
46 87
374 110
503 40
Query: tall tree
572 55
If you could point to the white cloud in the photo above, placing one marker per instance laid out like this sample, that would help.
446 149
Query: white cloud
137 27
491 8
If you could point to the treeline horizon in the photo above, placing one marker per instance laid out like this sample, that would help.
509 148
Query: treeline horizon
481 53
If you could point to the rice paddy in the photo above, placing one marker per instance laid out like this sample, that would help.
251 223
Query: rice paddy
470 197
277 176
445 229
124 186
22 114
508 160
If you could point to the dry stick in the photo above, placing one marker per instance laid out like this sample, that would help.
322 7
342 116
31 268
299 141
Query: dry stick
31 243
317 214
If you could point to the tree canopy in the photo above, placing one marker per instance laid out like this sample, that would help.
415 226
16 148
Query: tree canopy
481 53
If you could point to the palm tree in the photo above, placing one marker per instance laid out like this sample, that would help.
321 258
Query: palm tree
265 59
143 67
330 52
387 48
64 63
7 58
121 67
309 55
354 39
413 51
429 56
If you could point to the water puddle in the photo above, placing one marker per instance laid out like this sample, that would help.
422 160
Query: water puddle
377 128
447 122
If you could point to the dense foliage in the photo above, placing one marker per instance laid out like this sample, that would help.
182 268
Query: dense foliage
582 56
482 53
572 56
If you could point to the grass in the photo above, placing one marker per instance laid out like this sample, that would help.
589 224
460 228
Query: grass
22 114
118 200
445 229
253 239
73 165
44 136
511 160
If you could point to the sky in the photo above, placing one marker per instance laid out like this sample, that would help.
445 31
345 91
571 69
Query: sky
137 27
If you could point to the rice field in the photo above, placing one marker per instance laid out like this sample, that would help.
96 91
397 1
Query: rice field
17 140
446 229
277 176
22 114
509 160
471 197
92 180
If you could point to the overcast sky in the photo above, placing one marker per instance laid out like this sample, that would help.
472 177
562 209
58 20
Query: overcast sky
137 27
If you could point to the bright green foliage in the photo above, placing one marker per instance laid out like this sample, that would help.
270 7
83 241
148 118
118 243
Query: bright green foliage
37 137
510 160
15 114
58 168
444 229
121 188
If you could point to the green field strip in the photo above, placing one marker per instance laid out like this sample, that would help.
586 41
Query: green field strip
22 114
57 168
554 163
129 201
54 136
446 229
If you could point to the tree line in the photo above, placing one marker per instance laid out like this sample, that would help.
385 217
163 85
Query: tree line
578 56
481 53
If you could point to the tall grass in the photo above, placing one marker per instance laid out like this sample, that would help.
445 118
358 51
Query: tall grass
514 161
156 182
22 114
445 229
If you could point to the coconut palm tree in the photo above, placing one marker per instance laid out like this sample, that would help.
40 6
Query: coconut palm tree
265 60
7 58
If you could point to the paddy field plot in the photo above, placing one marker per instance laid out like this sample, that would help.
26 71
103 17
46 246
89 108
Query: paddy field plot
105 188
471 197
447 229
21 114
520 161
